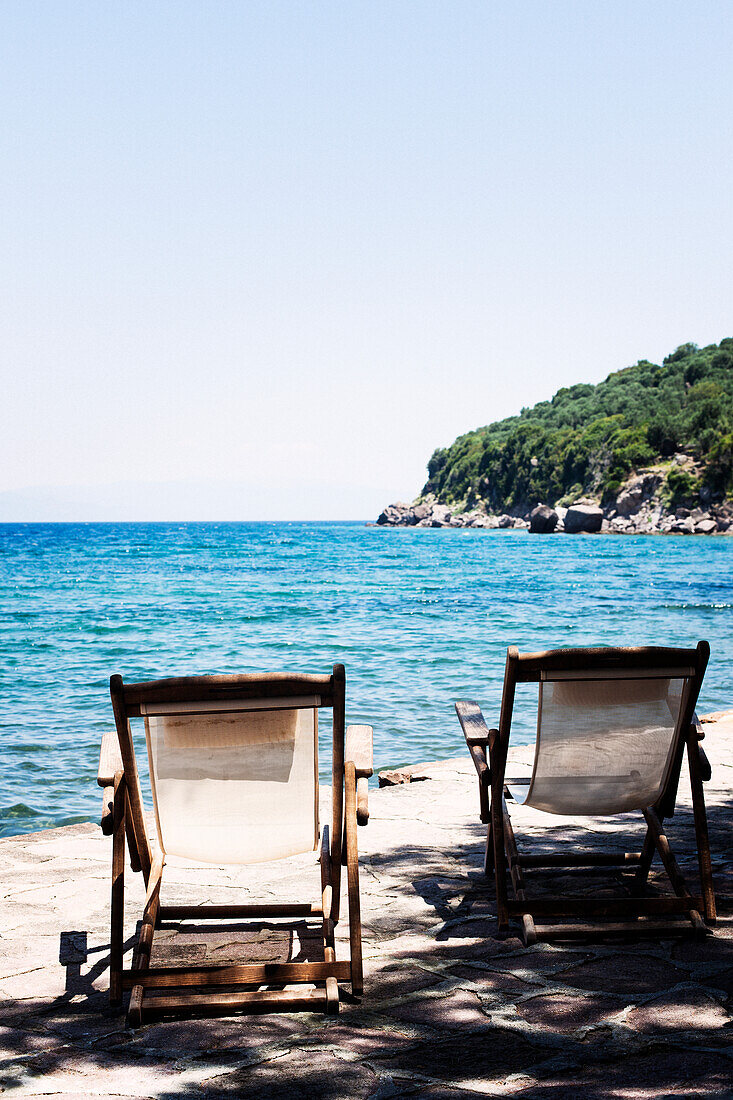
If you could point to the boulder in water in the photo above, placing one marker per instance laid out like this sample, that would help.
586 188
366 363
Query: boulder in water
397 515
583 517
543 519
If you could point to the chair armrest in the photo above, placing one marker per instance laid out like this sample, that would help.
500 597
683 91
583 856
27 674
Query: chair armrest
473 725
477 735
360 752
696 725
110 761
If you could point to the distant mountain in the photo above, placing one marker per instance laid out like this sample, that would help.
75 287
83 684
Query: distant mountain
589 440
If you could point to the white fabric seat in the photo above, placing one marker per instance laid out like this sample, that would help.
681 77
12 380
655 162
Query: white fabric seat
235 787
604 746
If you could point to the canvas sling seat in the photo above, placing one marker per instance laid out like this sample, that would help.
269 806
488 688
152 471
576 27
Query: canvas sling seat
233 764
613 725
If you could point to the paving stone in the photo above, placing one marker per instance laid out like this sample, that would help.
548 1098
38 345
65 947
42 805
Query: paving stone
89 1020
629 973
64 1095
559 1012
500 982
683 1010
243 1034
392 921
42 983
358 1038
663 1072
474 939
385 982
722 980
177 954
443 1011
297 1076
19 956
443 1092
469 1059
537 961
17 1041
714 949
69 1070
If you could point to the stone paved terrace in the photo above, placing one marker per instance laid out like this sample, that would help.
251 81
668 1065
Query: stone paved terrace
448 1011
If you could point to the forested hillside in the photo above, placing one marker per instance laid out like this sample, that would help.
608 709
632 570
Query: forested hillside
588 439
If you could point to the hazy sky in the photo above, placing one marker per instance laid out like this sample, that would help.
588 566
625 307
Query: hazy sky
261 258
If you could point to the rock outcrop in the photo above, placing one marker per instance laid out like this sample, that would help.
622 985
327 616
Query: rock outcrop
429 513
397 515
639 508
637 492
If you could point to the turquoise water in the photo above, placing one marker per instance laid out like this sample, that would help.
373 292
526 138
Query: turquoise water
418 617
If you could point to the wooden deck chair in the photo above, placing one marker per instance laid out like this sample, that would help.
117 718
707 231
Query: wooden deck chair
612 728
234 774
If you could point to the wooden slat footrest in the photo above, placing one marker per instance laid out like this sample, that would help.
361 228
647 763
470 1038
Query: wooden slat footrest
174 977
582 859
312 1000
222 912
655 928
606 907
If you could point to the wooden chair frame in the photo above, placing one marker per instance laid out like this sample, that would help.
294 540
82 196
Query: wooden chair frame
502 854
123 818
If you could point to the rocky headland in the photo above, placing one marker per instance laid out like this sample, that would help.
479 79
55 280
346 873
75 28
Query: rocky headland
647 450
639 508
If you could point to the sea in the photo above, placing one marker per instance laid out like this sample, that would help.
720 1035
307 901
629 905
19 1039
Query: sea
419 617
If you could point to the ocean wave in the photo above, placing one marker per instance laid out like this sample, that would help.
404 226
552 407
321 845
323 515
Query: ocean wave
696 606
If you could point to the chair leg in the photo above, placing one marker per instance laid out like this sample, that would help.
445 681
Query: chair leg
132 845
489 852
671 866
329 946
497 826
118 894
701 829
529 930
332 997
326 875
352 880
145 941
645 863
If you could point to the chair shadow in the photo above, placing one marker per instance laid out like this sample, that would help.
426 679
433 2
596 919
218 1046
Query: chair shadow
74 950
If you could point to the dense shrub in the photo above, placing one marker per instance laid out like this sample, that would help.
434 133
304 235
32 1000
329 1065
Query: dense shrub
682 487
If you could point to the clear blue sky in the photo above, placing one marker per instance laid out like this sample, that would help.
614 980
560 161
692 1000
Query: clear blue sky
261 258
